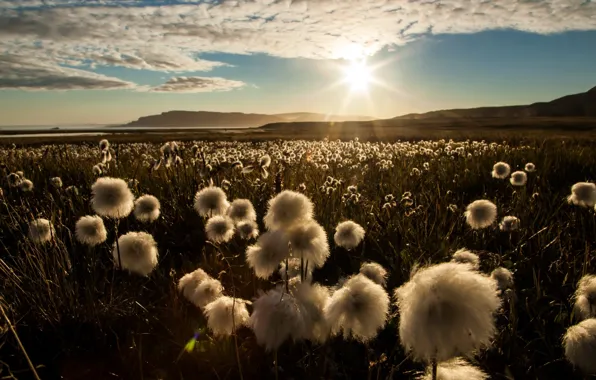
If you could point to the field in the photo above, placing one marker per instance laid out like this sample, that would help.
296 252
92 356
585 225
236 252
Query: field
78 316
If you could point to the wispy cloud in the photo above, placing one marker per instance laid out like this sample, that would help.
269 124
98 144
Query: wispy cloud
198 84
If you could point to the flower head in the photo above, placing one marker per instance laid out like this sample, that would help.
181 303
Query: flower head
580 345
585 297
190 281
503 278
90 230
518 178
219 229
111 197
56 182
309 241
147 208
206 292
348 234
264 257
241 210
247 229
375 272
288 209
211 201
480 214
138 252
583 194
501 170
509 223
41 231
530 167
26 185
466 257
225 315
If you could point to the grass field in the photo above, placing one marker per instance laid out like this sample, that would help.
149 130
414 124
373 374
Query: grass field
78 317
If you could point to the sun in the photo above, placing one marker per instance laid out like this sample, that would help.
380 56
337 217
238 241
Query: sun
358 75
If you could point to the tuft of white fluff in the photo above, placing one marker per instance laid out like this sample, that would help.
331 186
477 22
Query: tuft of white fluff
111 197
138 252
147 208
580 345
206 292
348 234
242 210
518 178
96 170
265 161
375 272
583 194
455 369
359 308
104 144
211 201
309 241
219 229
277 316
264 257
530 167
464 256
26 185
294 265
288 209
313 298
41 231
247 229
190 281
90 230
225 315
501 170
13 179
509 223
503 277
480 214
56 182
446 310
585 297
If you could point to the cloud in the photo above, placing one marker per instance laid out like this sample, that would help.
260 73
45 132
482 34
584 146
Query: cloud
198 84
21 73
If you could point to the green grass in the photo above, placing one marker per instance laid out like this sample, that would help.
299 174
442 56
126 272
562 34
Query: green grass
78 318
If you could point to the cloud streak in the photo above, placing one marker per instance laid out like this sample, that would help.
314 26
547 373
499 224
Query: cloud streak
198 84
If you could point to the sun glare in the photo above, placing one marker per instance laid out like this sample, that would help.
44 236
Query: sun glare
358 75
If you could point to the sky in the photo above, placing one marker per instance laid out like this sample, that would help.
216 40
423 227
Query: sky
107 61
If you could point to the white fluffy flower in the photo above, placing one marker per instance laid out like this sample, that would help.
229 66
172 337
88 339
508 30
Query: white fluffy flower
580 345
277 316
530 167
56 182
219 229
41 231
26 185
264 257
96 170
13 179
585 297
309 241
138 252
211 201
455 369
509 223
583 194
464 256
242 210
446 310
348 234
503 277
147 208
225 315
111 197
518 178
501 170
190 281
104 144
206 292
247 229
313 298
374 272
288 209
480 214
265 161
90 230
359 308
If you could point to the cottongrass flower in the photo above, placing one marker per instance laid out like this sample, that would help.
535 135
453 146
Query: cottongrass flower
480 214
265 161
277 316
583 194
580 345
288 209
359 308
348 234
190 281
518 178
503 278
270 250
211 201
219 229
501 170
26 185
111 197
138 253
309 242
241 210
147 208
13 179
585 297
294 269
97 170
509 223
206 292
375 272
225 315
90 230
463 256
455 369
530 167
56 182
446 310
313 298
104 144
247 229
41 231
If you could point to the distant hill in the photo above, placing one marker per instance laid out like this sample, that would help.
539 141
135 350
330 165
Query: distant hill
576 105
232 119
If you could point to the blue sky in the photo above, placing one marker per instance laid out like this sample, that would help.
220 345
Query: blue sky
74 62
